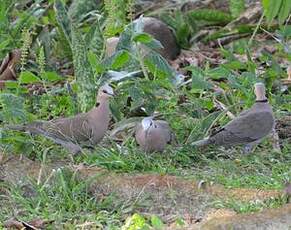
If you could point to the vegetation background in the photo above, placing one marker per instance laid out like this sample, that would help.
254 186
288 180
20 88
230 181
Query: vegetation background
227 47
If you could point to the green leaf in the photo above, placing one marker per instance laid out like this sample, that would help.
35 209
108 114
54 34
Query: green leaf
157 65
209 15
27 77
143 38
180 222
218 73
273 9
12 108
95 40
51 76
285 32
137 97
236 7
126 37
157 223
235 65
11 84
183 33
206 103
198 78
83 72
184 28
147 40
92 58
63 19
4 44
284 11
266 4
135 222
120 59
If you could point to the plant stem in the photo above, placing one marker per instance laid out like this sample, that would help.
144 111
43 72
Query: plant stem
142 63
256 29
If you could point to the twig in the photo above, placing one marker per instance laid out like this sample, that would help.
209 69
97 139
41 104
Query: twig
42 166
256 29
275 140
223 107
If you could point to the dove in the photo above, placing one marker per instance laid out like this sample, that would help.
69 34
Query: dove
248 128
85 128
111 44
153 135
8 66
160 31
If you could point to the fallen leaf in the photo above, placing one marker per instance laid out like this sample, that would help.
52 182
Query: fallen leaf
13 223
36 224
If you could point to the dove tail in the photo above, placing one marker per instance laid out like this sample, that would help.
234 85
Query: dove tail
33 128
16 127
202 142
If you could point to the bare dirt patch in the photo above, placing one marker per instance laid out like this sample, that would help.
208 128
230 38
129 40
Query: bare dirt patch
167 196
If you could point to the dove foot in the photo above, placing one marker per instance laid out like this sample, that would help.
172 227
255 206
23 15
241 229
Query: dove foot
247 149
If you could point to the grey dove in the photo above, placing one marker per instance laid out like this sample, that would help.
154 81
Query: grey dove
248 128
153 135
85 128
160 31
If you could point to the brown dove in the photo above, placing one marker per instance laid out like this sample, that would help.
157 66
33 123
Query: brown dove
7 67
85 128
160 31
111 44
153 135
248 128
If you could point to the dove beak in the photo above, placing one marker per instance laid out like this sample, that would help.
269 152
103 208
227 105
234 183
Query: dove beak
109 93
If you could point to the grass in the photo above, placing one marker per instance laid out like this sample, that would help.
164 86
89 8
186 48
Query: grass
249 207
263 169
68 202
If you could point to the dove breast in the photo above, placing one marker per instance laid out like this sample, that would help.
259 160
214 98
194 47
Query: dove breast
155 138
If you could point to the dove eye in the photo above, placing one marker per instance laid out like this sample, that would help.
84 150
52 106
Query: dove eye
104 91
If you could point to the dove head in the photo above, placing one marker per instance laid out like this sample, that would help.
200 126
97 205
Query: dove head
147 122
260 91
105 92
111 44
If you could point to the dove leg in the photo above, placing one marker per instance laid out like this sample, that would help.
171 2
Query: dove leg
248 148
275 140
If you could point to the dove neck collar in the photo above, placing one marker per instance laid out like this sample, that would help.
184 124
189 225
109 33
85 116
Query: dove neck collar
262 101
